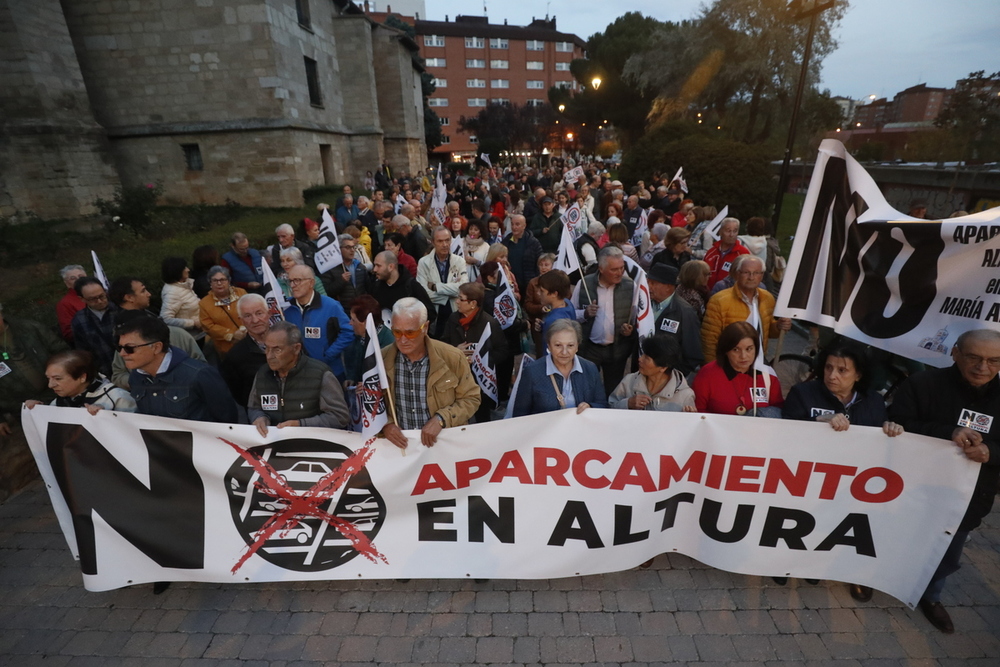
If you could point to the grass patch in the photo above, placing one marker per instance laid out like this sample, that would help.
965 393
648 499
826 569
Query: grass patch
791 209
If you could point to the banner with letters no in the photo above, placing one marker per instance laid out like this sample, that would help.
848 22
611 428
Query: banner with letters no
901 284
144 499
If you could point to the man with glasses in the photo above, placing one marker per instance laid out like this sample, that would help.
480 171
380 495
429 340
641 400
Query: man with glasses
746 301
93 327
165 382
960 403
326 328
441 273
132 298
430 382
292 389
349 279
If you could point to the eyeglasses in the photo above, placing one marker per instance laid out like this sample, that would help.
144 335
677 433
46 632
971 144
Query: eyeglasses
96 299
219 280
298 281
976 360
409 334
130 349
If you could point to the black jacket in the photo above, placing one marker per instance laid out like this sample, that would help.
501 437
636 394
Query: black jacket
808 400
678 319
931 403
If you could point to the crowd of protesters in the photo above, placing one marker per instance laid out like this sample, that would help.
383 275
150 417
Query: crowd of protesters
430 277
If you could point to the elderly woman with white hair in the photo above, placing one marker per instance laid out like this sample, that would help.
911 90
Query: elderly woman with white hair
561 379
293 257
657 240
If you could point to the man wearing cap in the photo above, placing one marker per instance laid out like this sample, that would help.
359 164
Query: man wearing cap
674 316
546 226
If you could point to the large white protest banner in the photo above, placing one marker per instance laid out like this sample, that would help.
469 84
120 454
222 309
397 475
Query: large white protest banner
901 284
144 499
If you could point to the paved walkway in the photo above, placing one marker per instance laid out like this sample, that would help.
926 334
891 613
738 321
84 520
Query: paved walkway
678 612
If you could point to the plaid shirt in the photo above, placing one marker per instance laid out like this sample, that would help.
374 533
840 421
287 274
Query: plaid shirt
411 392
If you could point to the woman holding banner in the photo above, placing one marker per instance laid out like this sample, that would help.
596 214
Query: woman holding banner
465 330
74 379
658 385
840 398
561 379
731 385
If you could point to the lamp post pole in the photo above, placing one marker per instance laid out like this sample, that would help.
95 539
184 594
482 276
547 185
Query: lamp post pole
812 12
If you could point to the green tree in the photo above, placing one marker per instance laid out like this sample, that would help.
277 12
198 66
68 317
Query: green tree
619 101
509 127
972 116
432 124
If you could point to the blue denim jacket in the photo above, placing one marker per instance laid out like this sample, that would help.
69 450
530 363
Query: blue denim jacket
535 393
188 389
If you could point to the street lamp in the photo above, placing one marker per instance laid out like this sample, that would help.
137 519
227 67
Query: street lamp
596 82
562 108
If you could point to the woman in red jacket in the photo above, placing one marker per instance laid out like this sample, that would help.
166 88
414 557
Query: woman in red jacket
731 385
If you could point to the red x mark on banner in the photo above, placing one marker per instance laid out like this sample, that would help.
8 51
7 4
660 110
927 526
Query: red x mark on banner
307 504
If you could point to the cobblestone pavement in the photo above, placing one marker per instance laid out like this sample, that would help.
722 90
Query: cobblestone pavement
678 612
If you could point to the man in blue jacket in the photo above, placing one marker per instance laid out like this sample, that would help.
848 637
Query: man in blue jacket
165 382
243 263
326 328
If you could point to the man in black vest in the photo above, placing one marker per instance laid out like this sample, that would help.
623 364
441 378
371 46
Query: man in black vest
293 389
674 316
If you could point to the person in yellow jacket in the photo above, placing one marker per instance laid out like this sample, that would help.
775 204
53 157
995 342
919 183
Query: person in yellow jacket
745 301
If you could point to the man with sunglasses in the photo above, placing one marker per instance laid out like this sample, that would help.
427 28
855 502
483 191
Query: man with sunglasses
960 403
165 382
430 382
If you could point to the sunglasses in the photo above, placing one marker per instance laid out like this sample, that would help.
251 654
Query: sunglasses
407 333
130 349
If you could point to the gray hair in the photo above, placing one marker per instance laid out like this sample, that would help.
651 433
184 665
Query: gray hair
609 252
564 324
292 333
981 335
743 259
344 237
547 256
364 199
284 229
251 299
237 237
218 269
65 271
660 230
401 220
726 221
294 253
410 306
662 190
596 229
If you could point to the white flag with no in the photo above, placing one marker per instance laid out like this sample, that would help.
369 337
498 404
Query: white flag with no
328 253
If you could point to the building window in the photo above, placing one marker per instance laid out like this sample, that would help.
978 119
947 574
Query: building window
498 43
534 64
500 64
435 62
445 122
445 139
475 83
474 42
562 84
437 101
477 101
440 83
192 157
562 67
564 47
302 10
536 85
433 40
535 45
499 83
312 80
473 139
535 102
473 63
500 100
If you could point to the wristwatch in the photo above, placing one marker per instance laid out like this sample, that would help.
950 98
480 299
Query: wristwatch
441 419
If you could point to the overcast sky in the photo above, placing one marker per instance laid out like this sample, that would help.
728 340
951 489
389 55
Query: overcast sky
885 45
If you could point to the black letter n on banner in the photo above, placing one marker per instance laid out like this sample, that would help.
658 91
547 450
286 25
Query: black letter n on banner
166 521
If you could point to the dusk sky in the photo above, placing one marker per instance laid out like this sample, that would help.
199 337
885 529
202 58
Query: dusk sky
885 45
